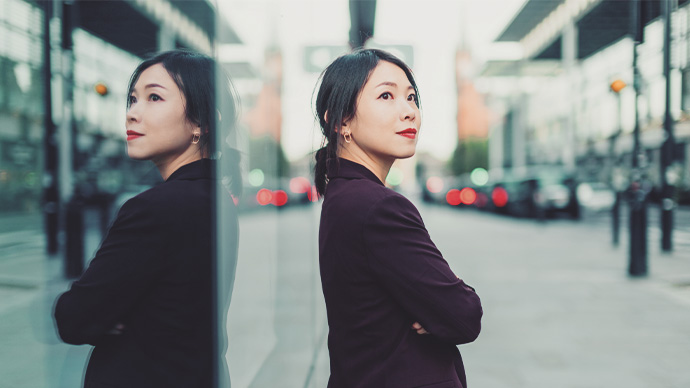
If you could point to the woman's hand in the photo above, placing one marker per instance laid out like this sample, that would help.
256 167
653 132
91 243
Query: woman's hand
419 328
117 330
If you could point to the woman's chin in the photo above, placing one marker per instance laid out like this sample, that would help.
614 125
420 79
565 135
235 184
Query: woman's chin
136 155
406 155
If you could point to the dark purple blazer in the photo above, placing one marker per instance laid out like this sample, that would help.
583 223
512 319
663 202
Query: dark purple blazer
380 273
152 273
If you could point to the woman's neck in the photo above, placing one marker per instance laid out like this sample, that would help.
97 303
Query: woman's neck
379 167
168 166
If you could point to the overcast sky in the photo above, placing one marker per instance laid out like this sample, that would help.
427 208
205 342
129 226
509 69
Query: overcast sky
434 28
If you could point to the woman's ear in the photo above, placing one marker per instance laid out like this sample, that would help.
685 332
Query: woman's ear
196 133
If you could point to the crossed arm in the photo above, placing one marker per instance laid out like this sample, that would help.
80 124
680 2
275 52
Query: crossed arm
414 271
126 264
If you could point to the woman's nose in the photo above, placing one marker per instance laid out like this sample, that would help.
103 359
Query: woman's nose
407 112
132 114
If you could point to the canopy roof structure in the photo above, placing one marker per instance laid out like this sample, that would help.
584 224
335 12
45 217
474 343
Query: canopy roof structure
539 24
530 15
134 26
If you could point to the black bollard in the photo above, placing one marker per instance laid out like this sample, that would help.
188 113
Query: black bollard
638 232
74 252
616 219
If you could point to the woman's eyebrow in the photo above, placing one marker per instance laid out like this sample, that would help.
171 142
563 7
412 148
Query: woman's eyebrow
387 83
149 86
392 84
154 86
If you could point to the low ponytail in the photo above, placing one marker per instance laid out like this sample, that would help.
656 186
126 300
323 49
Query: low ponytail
320 178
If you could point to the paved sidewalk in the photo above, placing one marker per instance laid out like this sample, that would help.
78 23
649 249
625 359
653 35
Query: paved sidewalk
560 310
31 354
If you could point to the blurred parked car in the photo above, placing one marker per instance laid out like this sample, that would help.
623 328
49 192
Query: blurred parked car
595 196
539 193
435 189
555 192
555 195
277 192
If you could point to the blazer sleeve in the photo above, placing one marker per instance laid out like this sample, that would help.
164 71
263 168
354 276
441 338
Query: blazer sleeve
128 262
413 270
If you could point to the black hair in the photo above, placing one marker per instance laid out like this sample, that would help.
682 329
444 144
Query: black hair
341 84
208 101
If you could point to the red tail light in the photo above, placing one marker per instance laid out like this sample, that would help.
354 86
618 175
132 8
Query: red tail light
280 198
264 197
453 197
468 196
300 185
482 199
499 196
434 184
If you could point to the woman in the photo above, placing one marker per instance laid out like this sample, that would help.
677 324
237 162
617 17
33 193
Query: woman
395 309
147 300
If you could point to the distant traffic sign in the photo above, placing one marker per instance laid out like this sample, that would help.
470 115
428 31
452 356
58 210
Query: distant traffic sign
316 58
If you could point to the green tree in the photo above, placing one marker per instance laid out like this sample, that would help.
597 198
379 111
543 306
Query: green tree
470 154
267 154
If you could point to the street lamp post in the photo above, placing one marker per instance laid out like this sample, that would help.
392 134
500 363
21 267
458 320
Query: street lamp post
616 86
667 148
362 17
637 191
51 192
74 216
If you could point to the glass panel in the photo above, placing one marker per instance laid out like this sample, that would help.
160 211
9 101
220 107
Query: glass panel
25 325
3 39
276 324
685 97
20 35
25 16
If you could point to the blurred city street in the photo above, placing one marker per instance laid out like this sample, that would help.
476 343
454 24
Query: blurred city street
538 116
559 308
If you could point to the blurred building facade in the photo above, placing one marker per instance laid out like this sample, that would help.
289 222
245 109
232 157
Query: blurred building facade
21 107
65 66
472 118
556 104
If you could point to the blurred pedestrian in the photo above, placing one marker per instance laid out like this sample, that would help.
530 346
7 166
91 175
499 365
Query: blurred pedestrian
395 309
147 300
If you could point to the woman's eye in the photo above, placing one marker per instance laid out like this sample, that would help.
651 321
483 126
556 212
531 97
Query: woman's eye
412 97
155 97
132 100
386 96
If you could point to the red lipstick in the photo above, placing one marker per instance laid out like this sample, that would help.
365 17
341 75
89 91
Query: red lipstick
409 133
133 135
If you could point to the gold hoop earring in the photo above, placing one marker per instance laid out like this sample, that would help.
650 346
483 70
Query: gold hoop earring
196 138
348 137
